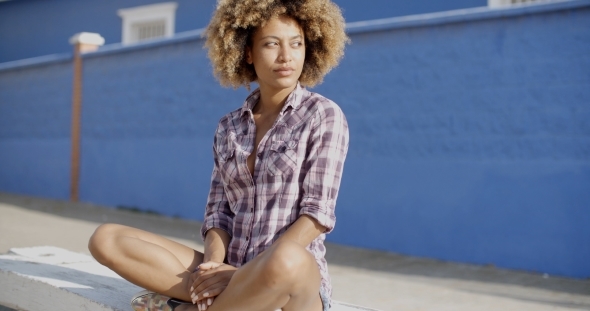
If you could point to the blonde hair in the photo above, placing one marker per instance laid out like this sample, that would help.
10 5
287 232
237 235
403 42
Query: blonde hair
235 21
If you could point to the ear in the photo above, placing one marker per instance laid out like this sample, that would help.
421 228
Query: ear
249 55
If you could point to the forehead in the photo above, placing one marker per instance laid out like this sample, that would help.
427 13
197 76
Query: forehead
280 26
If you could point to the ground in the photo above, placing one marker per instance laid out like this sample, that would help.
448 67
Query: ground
379 280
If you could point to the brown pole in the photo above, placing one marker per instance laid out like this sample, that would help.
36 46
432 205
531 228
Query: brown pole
76 115
83 42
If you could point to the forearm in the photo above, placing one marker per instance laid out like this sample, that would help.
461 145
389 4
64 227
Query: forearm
304 230
216 243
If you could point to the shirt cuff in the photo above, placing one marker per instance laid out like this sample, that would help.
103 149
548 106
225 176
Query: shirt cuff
322 211
220 221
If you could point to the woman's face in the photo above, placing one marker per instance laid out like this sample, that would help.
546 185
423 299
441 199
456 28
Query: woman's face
277 52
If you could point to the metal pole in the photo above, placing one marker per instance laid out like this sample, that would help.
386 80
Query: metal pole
76 115
83 42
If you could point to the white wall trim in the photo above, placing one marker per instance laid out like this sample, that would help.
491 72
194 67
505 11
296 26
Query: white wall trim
501 3
160 12
498 3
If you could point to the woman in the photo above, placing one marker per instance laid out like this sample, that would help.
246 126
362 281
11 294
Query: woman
277 167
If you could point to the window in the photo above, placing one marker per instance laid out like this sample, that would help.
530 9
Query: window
148 22
499 3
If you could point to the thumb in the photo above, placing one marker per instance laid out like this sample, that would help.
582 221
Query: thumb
208 265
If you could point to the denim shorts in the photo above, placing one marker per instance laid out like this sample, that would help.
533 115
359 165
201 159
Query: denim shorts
325 300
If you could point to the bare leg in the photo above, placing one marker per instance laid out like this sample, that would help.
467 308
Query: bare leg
285 276
145 259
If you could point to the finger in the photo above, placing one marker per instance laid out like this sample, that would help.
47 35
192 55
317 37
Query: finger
203 304
212 292
208 278
204 290
209 290
191 280
202 277
200 284
198 289
208 285
207 265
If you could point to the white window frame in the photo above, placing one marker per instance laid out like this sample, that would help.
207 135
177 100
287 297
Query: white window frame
504 3
144 14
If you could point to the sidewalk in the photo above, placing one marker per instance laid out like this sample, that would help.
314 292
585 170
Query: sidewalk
373 279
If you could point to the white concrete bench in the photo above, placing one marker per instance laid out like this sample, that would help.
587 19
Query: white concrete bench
49 278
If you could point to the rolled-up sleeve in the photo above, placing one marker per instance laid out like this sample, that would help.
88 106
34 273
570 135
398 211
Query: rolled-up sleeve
328 146
217 212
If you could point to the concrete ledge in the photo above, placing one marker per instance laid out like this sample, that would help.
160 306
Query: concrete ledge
36 61
53 279
116 48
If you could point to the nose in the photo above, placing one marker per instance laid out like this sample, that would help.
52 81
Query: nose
285 54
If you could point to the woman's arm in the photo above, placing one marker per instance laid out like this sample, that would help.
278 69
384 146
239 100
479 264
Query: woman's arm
327 149
216 228
216 243
304 230
217 224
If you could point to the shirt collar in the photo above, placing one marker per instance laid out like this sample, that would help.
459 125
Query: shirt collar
293 100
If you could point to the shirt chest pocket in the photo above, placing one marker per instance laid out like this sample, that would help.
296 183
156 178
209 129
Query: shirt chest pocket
228 164
283 157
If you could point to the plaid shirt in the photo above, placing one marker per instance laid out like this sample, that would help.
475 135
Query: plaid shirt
297 172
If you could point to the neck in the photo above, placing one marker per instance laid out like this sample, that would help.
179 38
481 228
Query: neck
272 100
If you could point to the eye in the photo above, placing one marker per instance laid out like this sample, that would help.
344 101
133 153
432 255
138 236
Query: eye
297 44
271 44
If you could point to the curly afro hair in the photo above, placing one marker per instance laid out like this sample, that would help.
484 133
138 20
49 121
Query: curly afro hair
235 21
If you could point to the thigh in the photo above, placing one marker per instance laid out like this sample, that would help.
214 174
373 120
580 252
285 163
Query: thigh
284 276
188 257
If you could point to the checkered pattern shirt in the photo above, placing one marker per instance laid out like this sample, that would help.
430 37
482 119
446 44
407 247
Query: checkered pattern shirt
297 172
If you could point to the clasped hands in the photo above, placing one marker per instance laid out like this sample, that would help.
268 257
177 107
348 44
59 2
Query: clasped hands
208 281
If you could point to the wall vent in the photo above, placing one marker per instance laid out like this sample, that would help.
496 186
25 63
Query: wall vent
148 22
151 30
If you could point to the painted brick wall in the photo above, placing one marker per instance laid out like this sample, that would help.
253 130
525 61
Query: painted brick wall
470 139
35 120
148 128
53 22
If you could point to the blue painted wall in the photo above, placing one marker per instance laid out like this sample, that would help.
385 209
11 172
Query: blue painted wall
31 28
471 141
52 23
355 10
470 136
35 120
162 105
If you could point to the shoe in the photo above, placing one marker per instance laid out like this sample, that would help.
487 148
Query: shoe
151 301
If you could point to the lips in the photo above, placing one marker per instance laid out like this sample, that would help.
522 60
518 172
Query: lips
284 71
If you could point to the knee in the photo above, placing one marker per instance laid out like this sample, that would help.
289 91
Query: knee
287 261
101 241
